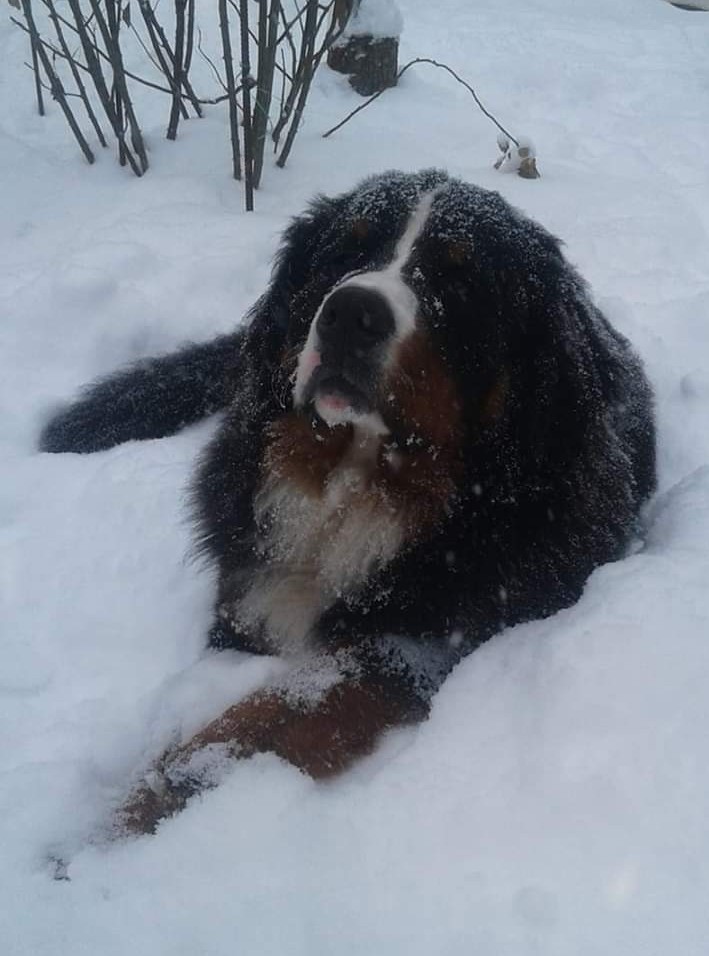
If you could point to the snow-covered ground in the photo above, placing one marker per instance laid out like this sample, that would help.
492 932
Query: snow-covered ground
556 800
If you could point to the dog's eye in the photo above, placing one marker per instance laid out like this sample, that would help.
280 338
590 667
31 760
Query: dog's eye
458 252
360 229
336 267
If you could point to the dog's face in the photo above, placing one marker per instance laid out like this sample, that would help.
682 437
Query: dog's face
356 337
408 305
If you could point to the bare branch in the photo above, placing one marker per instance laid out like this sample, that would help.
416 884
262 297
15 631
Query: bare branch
306 71
211 63
268 29
166 56
246 107
178 67
401 72
94 67
54 81
75 72
231 88
119 79
34 38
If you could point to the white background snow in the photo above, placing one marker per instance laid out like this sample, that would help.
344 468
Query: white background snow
556 802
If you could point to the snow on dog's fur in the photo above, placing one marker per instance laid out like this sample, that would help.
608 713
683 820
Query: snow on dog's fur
431 432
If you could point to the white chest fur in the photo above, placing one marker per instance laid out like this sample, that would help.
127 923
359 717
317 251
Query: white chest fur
316 549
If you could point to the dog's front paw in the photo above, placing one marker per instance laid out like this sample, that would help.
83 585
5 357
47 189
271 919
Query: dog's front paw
165 789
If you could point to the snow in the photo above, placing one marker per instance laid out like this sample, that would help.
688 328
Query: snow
555 802
377 18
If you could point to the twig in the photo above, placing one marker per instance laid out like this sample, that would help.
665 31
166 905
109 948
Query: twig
231 89
283 97
304 70
163 56
167 58
268 28
159 65
113 23
189 42
308 71
211 63
56 51
178 66
287 99
288 25
98 51
46 86
94 67
246 108
55 83
34 39
401 72
158 62
75 72
119 79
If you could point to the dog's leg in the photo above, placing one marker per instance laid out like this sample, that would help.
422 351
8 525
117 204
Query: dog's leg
319 731
150 399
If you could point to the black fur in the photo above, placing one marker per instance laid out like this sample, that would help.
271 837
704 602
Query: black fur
150 399
547 489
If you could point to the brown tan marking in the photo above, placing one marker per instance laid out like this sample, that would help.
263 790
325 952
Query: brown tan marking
416 478
494 403
360 229
321 740
304 452
458 252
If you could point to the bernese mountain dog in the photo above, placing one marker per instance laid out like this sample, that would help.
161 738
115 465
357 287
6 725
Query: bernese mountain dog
429 432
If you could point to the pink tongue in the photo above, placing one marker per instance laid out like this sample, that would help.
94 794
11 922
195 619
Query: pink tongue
335 402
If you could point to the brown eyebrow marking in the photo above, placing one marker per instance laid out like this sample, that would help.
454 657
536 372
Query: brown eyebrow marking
495 400
360 228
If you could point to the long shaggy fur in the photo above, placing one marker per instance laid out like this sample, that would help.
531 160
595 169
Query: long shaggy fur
464 469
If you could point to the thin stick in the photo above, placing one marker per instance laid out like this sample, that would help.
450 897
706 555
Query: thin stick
113 23
246 108
231 89
94 66
268 28
303 72
119 79
309 34
288 25
189 42
401 72
75 72
55 82
56 51
178 61
98 51
211 63
159 39
34 37
158 60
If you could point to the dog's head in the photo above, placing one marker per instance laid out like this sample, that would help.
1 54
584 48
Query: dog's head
402 304
430 314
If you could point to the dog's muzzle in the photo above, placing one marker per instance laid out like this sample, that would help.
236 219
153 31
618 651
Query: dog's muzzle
353 329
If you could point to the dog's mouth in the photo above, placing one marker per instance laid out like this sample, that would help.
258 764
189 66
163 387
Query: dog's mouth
336 397
337 392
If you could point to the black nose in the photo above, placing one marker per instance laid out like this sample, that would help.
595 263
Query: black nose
353 321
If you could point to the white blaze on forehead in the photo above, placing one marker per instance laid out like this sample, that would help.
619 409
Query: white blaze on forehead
388 282
413 229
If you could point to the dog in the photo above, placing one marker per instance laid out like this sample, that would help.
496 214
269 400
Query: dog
429 433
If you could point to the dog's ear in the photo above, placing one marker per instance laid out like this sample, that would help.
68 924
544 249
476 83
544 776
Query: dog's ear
268 321
293 263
